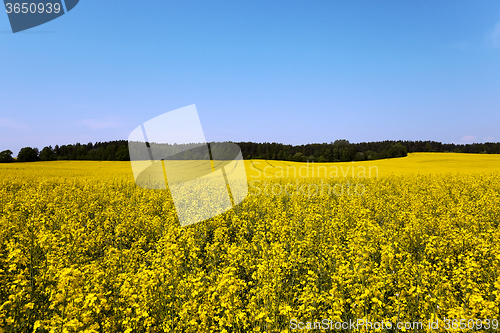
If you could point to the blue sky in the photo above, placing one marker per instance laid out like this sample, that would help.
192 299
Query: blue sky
289 71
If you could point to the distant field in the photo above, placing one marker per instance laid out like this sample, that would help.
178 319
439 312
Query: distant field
414 163
83 249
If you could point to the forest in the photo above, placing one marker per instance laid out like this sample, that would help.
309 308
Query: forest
338 151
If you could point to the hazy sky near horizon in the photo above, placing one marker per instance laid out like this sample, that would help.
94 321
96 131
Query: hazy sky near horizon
290 71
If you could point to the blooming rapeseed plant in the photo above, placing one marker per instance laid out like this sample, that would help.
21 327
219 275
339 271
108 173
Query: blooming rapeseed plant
82 249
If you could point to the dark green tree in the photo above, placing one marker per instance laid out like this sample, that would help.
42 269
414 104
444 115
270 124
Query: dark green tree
122 153
397 150
298 157
27 154
341 142
360 156
110 152
369 155
47 154
6 156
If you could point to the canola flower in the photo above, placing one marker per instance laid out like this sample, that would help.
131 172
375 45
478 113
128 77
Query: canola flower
82 249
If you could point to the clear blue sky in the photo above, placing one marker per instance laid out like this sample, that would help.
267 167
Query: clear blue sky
278 71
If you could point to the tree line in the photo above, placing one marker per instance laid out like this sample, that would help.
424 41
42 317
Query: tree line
337 151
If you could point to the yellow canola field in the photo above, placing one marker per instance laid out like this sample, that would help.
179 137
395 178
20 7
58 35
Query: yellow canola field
414 163
83 249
